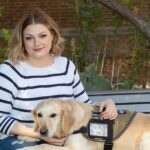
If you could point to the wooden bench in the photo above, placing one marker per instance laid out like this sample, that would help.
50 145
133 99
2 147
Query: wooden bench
138 100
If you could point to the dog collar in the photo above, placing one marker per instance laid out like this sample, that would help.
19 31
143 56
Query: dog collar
97 127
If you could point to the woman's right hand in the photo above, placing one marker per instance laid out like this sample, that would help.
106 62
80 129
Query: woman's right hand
54 141
23 130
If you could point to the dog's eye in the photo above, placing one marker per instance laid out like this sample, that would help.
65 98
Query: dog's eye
39 115
53 115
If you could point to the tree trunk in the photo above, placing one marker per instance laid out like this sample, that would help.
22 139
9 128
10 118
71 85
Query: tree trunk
133 18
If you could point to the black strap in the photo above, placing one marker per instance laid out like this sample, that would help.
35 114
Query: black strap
81 130
108 145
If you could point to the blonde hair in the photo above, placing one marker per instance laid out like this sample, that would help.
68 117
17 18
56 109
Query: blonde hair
17 50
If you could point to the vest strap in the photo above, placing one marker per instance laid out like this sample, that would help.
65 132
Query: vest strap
108 145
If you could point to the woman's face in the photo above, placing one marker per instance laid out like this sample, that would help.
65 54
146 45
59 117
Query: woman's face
37 41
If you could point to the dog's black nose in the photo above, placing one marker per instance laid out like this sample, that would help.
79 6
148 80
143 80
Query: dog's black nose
44 132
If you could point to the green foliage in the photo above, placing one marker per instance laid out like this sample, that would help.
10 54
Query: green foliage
124 84
128 3
6 34
94 82
127 84
88 13
85 13
1 10
89 16
117 21
139 57
6 37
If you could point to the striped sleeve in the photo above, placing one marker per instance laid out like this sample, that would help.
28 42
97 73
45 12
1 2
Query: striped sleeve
6 101
79 91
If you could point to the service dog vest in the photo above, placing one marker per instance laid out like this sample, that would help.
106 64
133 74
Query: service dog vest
120 124
107 131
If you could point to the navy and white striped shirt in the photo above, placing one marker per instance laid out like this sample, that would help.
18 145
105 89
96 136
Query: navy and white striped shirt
23 86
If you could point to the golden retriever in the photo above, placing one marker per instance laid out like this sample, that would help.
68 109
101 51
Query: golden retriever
57 118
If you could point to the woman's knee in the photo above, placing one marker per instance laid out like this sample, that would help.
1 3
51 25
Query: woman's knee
13 143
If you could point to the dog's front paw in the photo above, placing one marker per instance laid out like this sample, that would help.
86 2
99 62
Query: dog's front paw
28 139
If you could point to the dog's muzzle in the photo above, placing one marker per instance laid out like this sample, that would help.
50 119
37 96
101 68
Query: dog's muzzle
43 132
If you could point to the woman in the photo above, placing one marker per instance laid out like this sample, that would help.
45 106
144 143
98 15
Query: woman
34 72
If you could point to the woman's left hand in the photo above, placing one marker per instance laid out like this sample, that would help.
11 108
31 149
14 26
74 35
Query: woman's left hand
108 109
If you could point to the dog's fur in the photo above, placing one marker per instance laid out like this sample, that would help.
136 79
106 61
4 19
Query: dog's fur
60 118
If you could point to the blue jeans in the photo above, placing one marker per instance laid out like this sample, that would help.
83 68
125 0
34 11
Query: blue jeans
13 143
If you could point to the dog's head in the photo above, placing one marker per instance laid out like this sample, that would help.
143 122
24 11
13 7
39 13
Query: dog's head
58 118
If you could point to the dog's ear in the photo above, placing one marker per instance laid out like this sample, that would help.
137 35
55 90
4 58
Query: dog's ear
67 120
75 115
36 125
80 112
